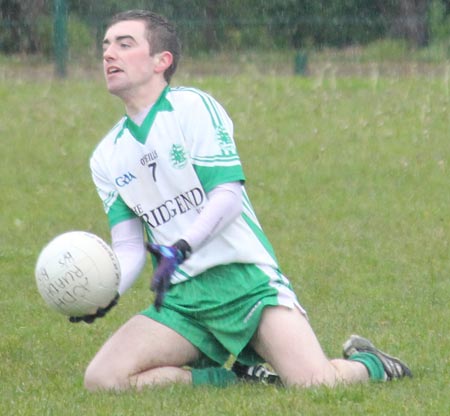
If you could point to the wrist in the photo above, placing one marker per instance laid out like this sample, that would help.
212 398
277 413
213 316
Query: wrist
184 248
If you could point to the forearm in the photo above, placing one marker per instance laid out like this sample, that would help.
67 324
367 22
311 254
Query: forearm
224 205
128 244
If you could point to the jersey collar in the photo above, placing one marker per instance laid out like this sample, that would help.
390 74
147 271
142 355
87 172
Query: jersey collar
140 133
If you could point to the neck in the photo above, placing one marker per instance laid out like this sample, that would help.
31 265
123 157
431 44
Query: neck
137 101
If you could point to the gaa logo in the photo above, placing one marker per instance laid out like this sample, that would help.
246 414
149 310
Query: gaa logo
124 180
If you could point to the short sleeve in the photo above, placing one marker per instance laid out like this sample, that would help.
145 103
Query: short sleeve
209 135
114 206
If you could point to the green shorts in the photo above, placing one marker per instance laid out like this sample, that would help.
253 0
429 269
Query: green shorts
219 310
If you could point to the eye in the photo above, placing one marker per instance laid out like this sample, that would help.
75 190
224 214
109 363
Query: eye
125 45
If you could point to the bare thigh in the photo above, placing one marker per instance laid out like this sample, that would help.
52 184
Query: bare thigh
140 345
286 340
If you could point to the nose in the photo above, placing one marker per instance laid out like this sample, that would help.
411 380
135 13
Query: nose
108 52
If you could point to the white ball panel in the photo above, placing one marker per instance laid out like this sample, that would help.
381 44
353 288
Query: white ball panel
76 273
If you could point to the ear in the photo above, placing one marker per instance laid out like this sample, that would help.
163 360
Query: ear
163 61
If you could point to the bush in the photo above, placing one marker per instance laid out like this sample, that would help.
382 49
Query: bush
80 40
44 34
438 22
387 49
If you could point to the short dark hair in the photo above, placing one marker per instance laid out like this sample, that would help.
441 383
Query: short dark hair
161 35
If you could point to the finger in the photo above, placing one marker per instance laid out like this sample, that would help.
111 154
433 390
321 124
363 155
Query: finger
154 249
89 319
156 281
74 319
158 300
166 283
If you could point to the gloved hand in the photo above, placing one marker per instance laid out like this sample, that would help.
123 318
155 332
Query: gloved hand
168 258
101 312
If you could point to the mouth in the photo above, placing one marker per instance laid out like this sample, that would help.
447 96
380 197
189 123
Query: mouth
113 70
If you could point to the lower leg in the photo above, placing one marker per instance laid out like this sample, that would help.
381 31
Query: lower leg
153 377
212 376
349 372
160 376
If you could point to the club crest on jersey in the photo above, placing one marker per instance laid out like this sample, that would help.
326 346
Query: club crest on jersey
178 156
226 144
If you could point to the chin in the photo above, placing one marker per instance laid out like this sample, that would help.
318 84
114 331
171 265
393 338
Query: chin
115 89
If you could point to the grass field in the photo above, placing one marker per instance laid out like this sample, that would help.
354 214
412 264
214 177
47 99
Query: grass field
350 178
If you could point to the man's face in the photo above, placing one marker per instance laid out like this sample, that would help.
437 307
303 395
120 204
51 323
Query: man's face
127 62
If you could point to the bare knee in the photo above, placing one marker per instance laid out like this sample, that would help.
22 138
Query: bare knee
93 380
99 377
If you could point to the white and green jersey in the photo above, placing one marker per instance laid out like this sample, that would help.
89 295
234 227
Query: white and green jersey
162 171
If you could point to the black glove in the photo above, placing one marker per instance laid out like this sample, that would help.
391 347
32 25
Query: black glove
168 258
101 312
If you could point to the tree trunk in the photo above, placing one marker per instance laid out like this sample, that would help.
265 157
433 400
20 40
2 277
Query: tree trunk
412 22
210 31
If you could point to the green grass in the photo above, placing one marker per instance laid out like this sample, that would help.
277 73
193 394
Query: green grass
350 178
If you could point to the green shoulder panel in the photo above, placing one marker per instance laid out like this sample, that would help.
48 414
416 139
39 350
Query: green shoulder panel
212 176
119 211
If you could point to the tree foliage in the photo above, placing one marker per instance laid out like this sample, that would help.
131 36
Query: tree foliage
215 24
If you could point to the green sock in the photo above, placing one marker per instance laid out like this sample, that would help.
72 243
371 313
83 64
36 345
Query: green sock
213 376
372 363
